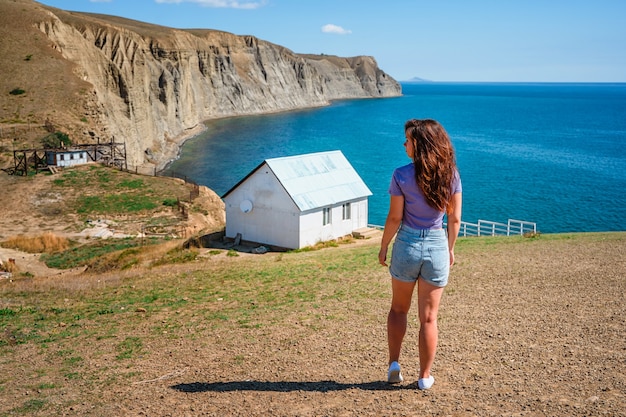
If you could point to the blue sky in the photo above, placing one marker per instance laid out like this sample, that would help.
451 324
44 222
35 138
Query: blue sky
450 40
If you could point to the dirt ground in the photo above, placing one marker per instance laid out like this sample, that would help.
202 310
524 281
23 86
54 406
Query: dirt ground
527 330
536 333
18 216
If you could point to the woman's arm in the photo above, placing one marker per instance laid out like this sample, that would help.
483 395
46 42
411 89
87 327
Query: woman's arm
454 222
394 218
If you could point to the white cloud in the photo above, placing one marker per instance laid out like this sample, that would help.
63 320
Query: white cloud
330 28
232 4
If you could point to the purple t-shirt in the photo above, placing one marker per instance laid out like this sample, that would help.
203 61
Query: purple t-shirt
417 213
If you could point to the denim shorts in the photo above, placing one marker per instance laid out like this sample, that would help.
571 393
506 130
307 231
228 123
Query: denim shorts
421 253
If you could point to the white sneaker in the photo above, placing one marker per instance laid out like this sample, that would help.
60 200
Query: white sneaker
426 383
393 374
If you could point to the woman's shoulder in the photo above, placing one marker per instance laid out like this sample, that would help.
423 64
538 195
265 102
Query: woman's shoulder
406 168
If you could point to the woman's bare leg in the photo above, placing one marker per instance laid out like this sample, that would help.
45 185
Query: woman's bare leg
428 298
397 318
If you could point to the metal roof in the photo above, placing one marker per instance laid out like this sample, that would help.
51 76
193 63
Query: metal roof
318 179
315 180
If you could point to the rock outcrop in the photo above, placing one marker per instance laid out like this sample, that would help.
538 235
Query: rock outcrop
153 85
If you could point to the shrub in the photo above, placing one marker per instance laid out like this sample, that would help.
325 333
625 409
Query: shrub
56 140
17 92
170 202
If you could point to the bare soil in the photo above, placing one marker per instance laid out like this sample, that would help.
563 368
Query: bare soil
534 330
527 328
52 91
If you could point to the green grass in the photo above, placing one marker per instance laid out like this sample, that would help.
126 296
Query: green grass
177 256
109 191
82 255
130 347
219 294
486 241
30 406
114 203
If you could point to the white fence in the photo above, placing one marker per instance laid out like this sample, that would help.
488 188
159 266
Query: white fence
489 228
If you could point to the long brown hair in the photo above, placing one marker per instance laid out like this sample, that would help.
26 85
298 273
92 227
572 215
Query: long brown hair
434 160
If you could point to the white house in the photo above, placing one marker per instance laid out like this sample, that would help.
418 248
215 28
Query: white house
66 157
297 201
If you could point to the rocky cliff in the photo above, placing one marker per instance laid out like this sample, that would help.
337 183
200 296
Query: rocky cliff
152 85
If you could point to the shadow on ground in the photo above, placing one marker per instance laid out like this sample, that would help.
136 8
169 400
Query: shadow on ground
217 240
285 386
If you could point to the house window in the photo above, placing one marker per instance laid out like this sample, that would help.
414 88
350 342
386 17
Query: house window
346 211
326 216
62 157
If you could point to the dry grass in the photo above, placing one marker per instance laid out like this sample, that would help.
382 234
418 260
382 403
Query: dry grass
142 257
9 266
45 243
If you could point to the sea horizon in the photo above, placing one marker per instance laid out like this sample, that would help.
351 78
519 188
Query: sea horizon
516 82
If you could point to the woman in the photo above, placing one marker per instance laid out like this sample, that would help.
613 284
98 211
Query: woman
421 192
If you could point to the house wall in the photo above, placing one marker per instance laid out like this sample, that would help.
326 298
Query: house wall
313 231
274 218
66 159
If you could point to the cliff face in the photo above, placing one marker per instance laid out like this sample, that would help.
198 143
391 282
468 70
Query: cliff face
152 84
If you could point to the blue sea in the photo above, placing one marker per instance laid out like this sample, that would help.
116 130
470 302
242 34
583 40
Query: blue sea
549 153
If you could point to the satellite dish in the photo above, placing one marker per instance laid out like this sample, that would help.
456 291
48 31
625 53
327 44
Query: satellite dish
246 206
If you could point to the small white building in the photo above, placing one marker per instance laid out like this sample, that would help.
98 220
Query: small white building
297 201
66 157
